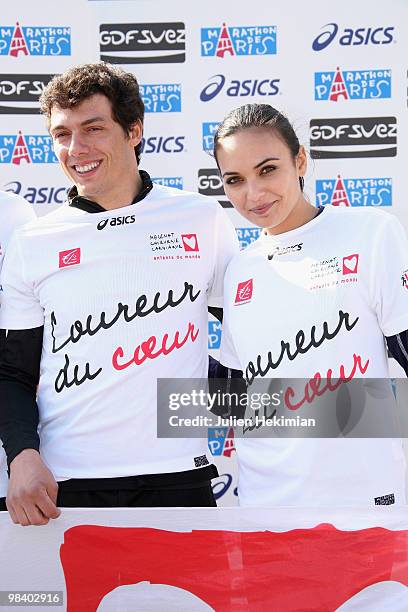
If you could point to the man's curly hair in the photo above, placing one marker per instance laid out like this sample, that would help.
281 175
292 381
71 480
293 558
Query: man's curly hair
79 82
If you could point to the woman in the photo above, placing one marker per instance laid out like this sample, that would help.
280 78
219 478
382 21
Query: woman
312 299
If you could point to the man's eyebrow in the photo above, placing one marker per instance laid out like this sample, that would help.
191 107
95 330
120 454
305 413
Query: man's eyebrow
86 122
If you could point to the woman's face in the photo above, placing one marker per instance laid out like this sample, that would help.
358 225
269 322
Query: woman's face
261 178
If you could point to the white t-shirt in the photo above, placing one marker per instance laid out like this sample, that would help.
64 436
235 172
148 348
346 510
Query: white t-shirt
14 212
343 270
123 299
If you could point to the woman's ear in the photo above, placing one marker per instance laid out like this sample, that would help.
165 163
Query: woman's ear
301 161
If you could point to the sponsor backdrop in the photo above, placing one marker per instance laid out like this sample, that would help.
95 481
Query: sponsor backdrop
338 71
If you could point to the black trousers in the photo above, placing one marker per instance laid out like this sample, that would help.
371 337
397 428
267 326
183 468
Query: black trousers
178 489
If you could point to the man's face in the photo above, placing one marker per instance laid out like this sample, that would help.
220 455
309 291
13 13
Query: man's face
92 148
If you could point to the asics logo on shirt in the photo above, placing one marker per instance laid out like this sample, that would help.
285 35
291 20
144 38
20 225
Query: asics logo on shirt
285 250
115 221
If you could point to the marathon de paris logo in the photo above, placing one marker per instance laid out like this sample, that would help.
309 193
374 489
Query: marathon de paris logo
28 148
35 40
362 191
142 43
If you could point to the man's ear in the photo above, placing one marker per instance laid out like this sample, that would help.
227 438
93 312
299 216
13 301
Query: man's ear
136 133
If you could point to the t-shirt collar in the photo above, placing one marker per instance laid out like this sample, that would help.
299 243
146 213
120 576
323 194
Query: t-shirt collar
82 203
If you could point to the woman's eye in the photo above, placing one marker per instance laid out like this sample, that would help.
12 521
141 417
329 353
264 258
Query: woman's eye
232 180
267 169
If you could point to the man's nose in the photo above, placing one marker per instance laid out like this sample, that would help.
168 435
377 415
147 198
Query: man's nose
77 145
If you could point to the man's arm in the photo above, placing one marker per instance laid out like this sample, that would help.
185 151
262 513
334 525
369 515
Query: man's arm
398 347
228 385
32 490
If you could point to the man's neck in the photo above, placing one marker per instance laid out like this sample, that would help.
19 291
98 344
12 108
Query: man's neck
89 205
119 197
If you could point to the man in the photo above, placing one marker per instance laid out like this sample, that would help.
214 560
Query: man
106 295
14 212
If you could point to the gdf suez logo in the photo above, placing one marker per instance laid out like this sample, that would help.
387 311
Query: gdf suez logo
163 144
235 88
353 37
353 137
210 184
16 89
116 221
142 43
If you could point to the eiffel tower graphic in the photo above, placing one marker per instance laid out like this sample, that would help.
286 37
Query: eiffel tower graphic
339 197
338 87
224 44
18 43
229 445
20 151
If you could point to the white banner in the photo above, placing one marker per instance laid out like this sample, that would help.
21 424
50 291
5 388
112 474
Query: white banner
208 559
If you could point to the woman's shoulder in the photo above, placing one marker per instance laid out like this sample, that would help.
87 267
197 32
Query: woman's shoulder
244 258
360 217
358 211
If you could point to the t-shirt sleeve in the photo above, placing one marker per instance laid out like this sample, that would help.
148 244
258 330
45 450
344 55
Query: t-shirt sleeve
389 277
20 308
225 247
